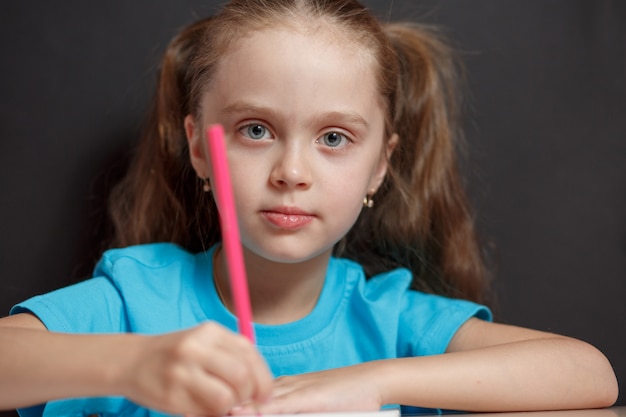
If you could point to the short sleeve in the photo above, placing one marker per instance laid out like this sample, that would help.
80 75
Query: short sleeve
429 322
91 306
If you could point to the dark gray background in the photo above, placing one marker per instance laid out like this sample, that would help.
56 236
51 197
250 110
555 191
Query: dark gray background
544 122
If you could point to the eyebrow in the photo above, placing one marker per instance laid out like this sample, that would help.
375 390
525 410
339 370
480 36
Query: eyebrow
347 117
246 107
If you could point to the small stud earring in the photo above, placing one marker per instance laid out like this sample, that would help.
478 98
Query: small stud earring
368 201
206 185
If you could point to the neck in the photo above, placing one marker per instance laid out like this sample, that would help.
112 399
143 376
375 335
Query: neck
279 292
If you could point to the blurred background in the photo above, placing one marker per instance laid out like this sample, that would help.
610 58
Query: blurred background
545 123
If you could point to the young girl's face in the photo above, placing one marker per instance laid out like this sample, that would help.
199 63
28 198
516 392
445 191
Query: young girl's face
304 129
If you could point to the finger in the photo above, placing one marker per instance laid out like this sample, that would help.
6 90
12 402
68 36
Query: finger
235 360
264 380
233 369
248 410
246 352
209 395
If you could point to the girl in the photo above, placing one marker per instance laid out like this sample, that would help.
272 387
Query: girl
365 275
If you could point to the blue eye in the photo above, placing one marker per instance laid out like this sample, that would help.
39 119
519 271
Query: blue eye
255 131
333 139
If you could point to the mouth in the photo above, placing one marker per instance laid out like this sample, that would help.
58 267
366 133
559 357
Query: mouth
289 218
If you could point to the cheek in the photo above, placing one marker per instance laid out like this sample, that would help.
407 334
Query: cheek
246 175
343 210
345 196
359 177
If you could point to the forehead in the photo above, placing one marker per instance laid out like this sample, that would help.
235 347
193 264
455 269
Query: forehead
304 68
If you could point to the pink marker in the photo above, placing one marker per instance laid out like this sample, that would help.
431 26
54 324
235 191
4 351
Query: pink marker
230 230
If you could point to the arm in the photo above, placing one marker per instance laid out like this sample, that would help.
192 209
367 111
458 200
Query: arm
495 367
488 367
204 370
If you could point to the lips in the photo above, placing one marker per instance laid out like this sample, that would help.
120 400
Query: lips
289 218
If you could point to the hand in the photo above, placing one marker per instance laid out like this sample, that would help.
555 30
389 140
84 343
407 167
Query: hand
202 371
353 388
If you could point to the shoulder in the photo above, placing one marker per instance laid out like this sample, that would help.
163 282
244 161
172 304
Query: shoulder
425 322
392 283
152 280
396 284
147 264
382 293
152 255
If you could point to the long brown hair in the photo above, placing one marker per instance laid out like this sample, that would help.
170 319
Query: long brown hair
421 219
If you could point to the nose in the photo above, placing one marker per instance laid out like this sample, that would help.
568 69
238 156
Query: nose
292 168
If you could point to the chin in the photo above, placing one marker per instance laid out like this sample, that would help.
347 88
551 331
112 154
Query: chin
291 254
289 258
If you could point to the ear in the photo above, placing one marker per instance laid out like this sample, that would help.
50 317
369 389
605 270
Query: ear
383 163
197 148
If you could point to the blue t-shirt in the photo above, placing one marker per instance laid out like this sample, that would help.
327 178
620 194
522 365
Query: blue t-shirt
159 288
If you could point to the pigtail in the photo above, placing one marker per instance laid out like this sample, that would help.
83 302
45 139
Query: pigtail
160 198
432 196
421 219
